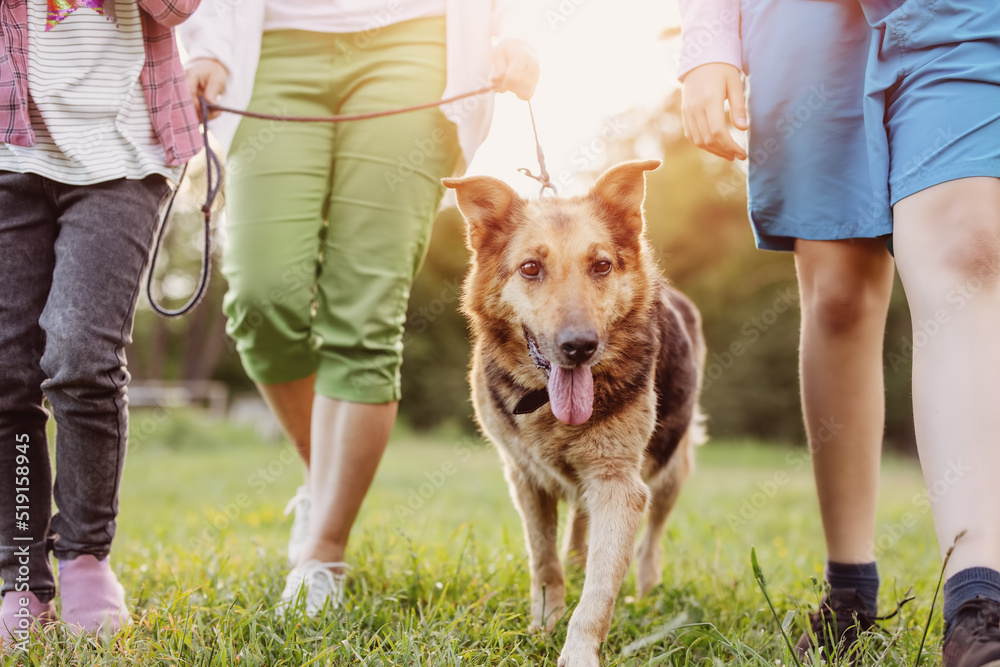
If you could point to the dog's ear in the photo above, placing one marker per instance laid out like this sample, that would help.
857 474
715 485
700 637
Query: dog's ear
487 204
620 192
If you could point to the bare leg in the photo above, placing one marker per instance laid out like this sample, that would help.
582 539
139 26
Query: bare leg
540 515
348 440
574 549
947 241
845 288
292 404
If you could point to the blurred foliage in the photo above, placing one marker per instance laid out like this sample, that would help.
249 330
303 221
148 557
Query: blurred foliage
696 214
436 344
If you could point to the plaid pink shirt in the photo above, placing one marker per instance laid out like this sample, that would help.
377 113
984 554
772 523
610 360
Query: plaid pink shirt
162 77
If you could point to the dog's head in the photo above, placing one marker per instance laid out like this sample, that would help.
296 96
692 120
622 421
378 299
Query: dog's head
565 270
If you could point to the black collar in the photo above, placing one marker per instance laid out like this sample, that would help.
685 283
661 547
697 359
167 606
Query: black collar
534 399
531 401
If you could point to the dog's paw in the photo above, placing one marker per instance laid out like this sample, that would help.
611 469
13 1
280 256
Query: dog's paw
648 570
579 656
545 614
647 579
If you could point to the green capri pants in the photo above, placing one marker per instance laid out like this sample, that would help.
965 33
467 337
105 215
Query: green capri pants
328 223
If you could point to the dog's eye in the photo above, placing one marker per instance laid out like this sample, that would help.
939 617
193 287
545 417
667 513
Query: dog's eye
531 270
602 268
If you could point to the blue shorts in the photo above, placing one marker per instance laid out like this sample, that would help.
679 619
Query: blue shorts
855 105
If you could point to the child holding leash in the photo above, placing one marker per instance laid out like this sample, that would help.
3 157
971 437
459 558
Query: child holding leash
869 119
95 120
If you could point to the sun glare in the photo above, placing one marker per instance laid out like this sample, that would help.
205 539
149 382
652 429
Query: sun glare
599 59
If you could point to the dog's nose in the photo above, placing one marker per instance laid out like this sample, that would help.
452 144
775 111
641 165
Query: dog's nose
577 345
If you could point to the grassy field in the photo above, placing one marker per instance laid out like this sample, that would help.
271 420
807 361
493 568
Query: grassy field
439 567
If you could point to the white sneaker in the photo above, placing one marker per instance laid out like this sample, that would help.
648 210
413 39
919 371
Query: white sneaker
299 504
317 584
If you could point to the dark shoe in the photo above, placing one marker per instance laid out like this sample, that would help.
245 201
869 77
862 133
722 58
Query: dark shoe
842 616
974 638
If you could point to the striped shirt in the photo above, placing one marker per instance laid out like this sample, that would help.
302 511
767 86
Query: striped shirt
340 16
86 105
161 79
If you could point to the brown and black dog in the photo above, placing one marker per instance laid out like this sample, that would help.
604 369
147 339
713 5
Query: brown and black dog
585 374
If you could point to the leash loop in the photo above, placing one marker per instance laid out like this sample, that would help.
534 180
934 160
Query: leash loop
211 191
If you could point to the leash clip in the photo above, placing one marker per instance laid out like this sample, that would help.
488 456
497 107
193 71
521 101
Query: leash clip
542 178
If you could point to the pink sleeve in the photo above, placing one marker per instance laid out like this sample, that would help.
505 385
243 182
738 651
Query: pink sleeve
169 13
710 33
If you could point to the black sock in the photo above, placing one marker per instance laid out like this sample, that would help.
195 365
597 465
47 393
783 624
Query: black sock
863 577
966 585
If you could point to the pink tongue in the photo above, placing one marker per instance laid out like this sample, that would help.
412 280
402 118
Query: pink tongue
571 391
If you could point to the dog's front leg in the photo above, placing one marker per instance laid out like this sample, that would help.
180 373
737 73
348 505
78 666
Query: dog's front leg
615 505
540 514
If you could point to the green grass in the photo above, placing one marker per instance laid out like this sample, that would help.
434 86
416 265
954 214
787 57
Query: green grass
439 567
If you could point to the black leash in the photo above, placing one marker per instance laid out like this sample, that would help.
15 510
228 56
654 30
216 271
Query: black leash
213 182
212 186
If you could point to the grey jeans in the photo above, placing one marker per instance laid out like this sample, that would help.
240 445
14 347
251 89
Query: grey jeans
71 261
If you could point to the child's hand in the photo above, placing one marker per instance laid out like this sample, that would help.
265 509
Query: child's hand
206 78
515 68
706 88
